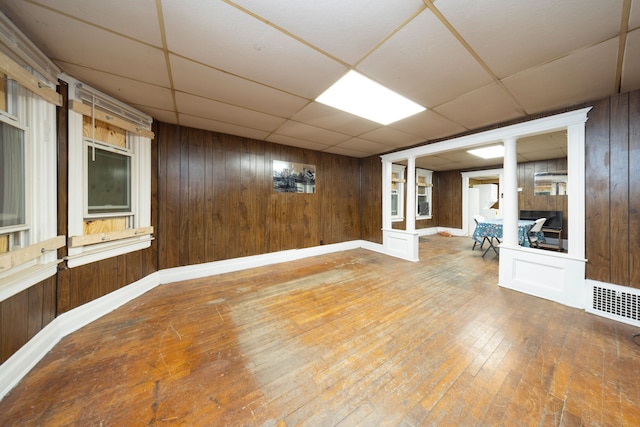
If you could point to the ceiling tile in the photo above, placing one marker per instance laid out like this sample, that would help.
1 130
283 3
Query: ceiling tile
214 110
125 90
356 25
428 125
296 142
533 156
326 117
213 125
197 79
583 76
310 133
120 16
631 63
427 73
96 48
482 107
634 18
158 114
247 47
391 137
337 149
512 36
364 146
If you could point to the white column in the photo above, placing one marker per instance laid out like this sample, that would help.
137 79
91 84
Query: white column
386 195
510 192
575 189
411 195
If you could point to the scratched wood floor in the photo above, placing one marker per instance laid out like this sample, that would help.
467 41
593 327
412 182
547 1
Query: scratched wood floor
352 338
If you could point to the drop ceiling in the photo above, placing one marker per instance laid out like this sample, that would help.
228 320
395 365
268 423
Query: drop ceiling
253 68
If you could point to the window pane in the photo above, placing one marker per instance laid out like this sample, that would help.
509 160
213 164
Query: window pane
12 187
394 204
109 181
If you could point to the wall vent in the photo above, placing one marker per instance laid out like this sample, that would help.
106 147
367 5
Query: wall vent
615 302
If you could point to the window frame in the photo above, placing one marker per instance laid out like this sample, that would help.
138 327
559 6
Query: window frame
90 144
92 102
398 179
26 147
428 175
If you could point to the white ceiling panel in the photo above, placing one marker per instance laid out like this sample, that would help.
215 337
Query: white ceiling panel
339 149
514 35
214 110
364 146
296 142
197 79
634 18
492 104
253 68
631 64
391 137
311 133
125 90
356 25
428 125
96 48
584 76
425 72
327 117
126 17
166 116
542 155
222 127
247 47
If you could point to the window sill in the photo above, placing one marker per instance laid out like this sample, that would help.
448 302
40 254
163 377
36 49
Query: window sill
24 279
100 251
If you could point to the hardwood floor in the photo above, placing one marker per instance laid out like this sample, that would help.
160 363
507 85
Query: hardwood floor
353 338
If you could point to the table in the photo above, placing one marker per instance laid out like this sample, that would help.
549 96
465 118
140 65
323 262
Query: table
492 229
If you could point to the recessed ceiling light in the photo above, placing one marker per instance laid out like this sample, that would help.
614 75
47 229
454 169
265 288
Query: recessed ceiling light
358 95
491 152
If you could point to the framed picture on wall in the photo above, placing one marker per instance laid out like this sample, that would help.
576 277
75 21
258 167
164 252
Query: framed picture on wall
289 177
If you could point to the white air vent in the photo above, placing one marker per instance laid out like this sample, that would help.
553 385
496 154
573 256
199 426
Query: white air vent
615 302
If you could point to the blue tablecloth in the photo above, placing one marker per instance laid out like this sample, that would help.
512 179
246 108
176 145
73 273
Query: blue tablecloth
493 229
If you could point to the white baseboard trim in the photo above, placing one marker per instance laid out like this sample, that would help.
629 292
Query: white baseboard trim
21 362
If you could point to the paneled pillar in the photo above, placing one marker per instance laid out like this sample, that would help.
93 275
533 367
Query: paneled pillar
510 193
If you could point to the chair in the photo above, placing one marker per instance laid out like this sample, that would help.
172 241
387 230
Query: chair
476 240
532 235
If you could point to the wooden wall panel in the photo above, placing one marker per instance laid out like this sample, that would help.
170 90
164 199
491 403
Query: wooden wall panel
217 200
634 189
527 198
25 314
619 189
597 219
371 199
448 198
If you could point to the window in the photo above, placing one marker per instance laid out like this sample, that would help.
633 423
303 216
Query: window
108 180
423 193
109 176
27 185
397 192
13 176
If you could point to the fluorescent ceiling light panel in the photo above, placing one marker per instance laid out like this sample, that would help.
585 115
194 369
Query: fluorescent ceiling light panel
358 95
491 152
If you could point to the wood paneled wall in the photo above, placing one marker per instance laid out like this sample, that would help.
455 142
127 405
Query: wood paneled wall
217 201
25 314
213 200
528 200
613 190
371 199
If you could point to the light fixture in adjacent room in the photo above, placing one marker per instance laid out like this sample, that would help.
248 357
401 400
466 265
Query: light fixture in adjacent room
361 96
491 152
